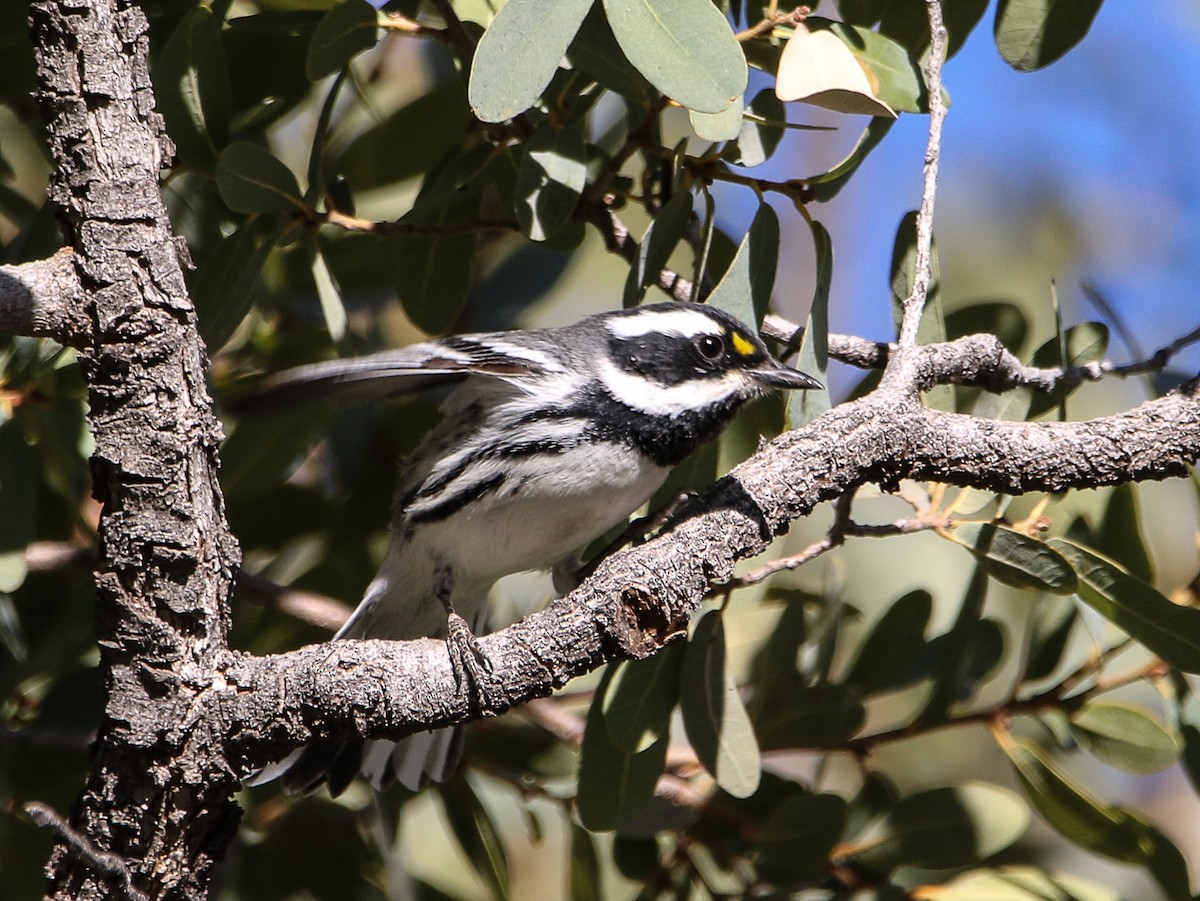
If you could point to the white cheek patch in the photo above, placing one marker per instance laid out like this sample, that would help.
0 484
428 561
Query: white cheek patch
680 322
648 396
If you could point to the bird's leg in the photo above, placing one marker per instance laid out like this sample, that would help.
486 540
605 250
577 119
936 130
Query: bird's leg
471 667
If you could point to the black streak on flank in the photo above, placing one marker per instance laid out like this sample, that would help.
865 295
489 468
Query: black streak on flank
453 504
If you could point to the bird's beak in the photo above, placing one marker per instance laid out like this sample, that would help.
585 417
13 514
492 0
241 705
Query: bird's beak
775 375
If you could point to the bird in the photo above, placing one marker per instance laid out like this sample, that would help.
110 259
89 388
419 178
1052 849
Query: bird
549 438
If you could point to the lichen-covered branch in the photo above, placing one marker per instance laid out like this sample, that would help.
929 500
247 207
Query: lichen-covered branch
641 598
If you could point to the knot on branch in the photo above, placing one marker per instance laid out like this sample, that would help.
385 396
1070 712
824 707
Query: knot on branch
644 622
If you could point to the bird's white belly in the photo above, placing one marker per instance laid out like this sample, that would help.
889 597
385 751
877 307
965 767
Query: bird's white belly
542 513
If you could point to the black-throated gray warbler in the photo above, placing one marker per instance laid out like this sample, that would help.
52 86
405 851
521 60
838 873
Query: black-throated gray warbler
551 437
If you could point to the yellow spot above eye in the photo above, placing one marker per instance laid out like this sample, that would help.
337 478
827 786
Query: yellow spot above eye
742 346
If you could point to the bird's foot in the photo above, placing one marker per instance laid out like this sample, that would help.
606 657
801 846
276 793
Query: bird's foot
473 672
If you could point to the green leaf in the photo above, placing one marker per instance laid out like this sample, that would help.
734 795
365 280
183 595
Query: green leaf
657 245
798 835
943 828
231 282
344 32
815 716
387 154
745 289
685 48
18 501
1126 736
637 706
251 180
1167 629
1021 883
1031 34
713 716
1001 318
1050 626
885 658
261 450
761 131
553 173
907 22
827 185
434 277
585 879
519 54
805 406
329 294
1120 533
12 636
1109 831
950 656
476 834
596 52
896 79
719 127
1085 343
191 86
1014 558
614 786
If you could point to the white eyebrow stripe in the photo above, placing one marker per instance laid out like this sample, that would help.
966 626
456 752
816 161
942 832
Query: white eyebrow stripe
648 396
679 322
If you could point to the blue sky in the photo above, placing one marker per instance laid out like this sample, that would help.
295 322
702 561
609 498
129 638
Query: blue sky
1087 170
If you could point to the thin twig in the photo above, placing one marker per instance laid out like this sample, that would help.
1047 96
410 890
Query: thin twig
914 304
110 865
770 23
1005 370
448 230
457 32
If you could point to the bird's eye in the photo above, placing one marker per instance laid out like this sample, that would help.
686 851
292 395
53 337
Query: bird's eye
710 347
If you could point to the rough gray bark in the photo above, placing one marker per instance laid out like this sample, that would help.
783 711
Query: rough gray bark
184 715
158 794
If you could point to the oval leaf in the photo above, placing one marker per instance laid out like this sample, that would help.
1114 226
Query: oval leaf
1167 629
553 173
637 706
818 68
343 33
476 833
614 786
657 244
231 282
718 127
713 715
797 837
943 828
1050 627
815 716
813 357
885 659
1015 559
685 48
1108 831
191 85
761 130
1031 34
1126 736
745 289
251 180
519 54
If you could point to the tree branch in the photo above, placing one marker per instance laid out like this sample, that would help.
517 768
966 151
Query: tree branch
914 304
641 598
44 299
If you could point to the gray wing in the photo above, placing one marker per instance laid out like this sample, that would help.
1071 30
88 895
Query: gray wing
391 373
